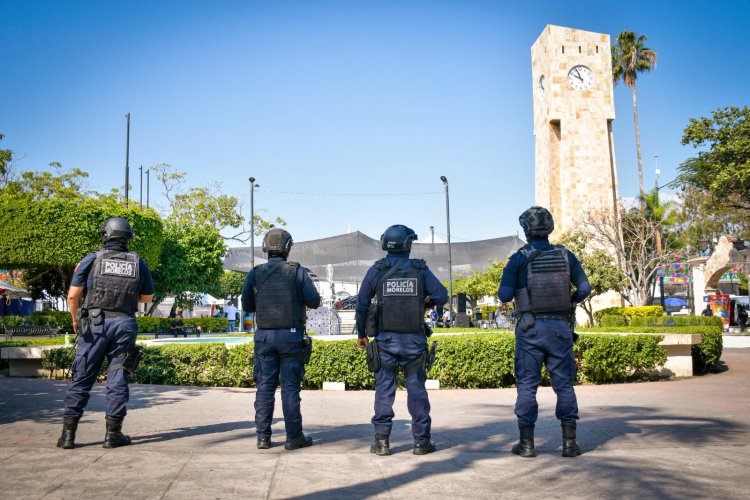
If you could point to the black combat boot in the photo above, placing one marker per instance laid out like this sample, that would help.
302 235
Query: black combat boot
300 442
70 426
264 443
525 445
570 446
115 438
424 449
381 446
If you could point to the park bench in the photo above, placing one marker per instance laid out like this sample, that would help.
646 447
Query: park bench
27 330
187 330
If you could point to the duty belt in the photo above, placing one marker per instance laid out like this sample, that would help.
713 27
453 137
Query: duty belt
116 314
561 316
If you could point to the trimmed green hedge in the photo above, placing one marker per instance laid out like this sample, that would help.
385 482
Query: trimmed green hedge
466 361
57 319
149 324
630 312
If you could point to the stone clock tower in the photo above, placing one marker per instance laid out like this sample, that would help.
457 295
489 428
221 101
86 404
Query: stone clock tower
573 113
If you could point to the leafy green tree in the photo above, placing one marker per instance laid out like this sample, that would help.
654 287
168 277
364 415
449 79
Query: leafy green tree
6 160
630 56
599 265
700 220
189 265
722 170
231 283
480 283
206 205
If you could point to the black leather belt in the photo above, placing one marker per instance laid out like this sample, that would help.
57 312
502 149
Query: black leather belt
117 314
561 316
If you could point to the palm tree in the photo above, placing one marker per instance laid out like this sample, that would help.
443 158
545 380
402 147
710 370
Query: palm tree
630 56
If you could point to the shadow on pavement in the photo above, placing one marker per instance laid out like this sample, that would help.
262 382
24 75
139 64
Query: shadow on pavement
628 476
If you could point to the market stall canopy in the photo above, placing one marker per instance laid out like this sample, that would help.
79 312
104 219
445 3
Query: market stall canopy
12 292
352 254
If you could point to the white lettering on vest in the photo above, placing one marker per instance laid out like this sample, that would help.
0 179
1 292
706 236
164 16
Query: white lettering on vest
118 268
400 286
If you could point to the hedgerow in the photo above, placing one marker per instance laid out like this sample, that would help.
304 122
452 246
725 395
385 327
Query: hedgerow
465 361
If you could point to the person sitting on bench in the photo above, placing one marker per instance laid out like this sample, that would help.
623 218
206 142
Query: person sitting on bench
177 327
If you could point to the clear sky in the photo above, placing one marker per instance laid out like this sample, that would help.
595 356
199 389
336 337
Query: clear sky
344 100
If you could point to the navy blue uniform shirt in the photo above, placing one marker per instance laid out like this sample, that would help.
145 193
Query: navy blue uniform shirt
83 276
513 279
310 296
432 286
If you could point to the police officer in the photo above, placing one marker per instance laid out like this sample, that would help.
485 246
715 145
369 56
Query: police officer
404 288
111 282
538 277
278 292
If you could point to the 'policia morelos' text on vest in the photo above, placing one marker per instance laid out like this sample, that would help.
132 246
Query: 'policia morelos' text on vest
116 282
401 299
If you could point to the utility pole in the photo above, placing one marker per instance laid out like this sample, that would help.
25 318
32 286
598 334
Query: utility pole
148 185
140 200
450 260
127 159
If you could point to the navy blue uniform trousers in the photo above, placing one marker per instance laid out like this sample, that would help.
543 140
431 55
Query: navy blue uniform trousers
398 349
548 342
111 340
278 357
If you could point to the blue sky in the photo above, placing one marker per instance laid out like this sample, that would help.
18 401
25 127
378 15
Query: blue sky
332 98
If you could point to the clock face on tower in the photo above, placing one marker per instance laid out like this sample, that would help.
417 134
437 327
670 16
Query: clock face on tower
580 77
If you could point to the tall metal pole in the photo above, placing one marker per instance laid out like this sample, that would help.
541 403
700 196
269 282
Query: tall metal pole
252 232
432 234
450 259
148 184
127 159
140 200
252 223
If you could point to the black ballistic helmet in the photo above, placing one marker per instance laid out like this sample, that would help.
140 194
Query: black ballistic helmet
277 241
397 238
116 228
537 222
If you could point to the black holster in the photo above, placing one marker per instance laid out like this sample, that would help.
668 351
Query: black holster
372 323
373 356
525 320
130 363
307 350
430 358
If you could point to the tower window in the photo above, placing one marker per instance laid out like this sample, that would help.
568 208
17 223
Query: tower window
579 49
563 49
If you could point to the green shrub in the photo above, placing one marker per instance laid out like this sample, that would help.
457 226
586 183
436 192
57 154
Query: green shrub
630 312
150 324
208 324
465 361
613 320
618 358
706 355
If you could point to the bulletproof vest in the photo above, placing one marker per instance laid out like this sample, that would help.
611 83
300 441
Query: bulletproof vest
401 298
277 304
548 281
116 282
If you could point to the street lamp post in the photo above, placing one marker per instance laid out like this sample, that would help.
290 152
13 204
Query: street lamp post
127 159
450 260
432 234
148 185
253 185
140 200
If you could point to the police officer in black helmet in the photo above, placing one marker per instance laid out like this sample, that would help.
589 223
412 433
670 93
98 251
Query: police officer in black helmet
103 298
278 292
539 277
404 288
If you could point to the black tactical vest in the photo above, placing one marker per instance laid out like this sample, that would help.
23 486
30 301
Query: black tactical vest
277 302
548 281
116 282
401 298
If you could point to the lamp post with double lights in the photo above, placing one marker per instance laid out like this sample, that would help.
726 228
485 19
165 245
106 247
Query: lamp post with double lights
450 260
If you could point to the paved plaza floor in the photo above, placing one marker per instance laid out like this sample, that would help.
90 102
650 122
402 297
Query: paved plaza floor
678 439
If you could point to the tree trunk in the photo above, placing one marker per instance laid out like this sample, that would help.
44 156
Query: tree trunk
638 150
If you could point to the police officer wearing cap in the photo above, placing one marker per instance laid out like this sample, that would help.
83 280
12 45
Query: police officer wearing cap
404 288
278 292
103 298
539 277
